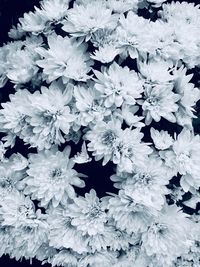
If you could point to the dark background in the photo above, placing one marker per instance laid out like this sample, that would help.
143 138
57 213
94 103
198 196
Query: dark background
98 176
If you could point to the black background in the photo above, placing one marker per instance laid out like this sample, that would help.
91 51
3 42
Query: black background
98 176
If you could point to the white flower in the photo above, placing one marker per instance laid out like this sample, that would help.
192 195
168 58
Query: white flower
33 22
121 6
185 12
49 115
83 20
64 58
105 54
128 114
156 71
168 235
51 177
64 258
11 174
148 184
103 259
103 138
159 102
117 85
129 215
63 234
17 210
162 140
89 104
183 157
87 213
130 151
53 10
131 32
189 97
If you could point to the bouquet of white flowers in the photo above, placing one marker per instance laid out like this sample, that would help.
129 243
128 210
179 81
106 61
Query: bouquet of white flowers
113 82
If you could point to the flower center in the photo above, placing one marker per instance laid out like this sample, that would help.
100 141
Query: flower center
108 138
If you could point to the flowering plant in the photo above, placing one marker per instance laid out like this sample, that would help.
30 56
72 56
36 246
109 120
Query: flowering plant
108 81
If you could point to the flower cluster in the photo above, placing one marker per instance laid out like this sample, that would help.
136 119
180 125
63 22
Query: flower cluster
115 79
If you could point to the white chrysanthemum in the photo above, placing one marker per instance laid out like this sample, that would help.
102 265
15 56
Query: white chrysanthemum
28 240
11 173
63 234
128 115
103 259
148 185
64 258
131 32
129 215
189 97
17 210
130 151
91 108
33 22
168 235
111 238
185 12
183 157
162 140
156 71
12 116
18 61
49 115
83 20
121 6
6 239
159 102
51 177
103 138
105 54
64 58
88 213
117 85
53 10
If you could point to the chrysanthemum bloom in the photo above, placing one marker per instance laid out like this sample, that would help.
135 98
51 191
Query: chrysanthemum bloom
51 177
183 157
189 97
50 115
121 6
64 58
103 258
53 10
17 210
12 172
117 84
130 151
63 234
89 104
131 32
129 215
27 240
103 138
83 20
148 184
64 258
162 140
167 236
88 213
33 22
18 61
160 102
12 116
